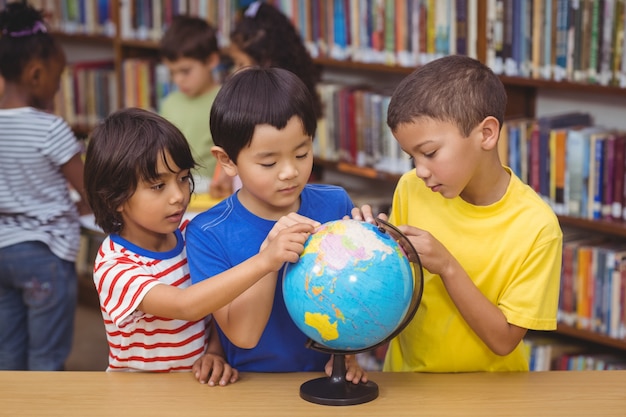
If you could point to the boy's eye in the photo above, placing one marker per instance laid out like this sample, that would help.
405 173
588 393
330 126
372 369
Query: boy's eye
268 165
302 156
157 186
430 154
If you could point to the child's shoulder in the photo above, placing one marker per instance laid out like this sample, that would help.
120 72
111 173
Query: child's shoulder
215 215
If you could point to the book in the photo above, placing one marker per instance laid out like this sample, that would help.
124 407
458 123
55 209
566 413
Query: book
596 168
538 34
606 46
577 174
608 175
544 125
618 186
561 46
558 139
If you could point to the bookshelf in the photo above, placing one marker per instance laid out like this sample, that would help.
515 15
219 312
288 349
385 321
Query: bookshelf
483 26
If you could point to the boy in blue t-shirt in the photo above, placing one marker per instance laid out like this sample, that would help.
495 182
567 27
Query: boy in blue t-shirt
263 123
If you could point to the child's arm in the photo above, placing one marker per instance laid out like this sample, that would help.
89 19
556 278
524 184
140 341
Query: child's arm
212 368
486 319
244 319
73 172
201 299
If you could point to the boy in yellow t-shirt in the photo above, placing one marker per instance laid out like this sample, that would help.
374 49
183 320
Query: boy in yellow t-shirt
490 247
189 49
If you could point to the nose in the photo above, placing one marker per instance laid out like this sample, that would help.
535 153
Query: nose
288 171
421 171
177 195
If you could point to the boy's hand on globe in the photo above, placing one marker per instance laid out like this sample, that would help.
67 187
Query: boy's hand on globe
287 245
434 256
364 213
212 369
354 372
285 222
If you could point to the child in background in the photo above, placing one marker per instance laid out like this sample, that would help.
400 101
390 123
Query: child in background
266 37
138 180
490 247
39 224
189 50
263 123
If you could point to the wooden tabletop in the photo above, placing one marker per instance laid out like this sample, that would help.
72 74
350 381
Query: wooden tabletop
94 394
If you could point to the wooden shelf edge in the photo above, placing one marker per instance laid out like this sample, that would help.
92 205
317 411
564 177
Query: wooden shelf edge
616 228
590 336
355 170
506 80
84 37
135 43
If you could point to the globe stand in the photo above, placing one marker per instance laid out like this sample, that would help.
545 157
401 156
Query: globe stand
336 390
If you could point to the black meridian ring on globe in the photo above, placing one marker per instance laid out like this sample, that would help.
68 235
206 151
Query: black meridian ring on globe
335 389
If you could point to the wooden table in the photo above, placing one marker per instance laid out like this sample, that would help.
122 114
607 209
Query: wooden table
93 394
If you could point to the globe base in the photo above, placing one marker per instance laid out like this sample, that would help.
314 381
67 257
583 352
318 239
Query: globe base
336 390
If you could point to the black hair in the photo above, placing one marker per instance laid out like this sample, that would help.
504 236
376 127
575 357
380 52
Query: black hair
189 37
23 37
124 150
269 37
455 88
256 96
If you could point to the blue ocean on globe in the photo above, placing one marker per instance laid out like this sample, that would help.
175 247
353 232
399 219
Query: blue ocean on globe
351 287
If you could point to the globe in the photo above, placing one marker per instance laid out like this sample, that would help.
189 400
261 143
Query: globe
354 288
351 287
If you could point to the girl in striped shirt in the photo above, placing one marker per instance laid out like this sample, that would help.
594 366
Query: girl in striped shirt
139 183
39 227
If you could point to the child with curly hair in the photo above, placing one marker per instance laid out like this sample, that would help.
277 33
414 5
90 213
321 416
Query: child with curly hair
264 36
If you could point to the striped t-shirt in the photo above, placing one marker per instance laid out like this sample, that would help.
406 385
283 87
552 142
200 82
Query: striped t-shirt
123 275
35 203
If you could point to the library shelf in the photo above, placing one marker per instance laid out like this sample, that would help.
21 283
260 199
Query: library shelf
609 227
589 336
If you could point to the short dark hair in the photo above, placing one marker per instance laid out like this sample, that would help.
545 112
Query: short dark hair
23 37
255 96
189 37
269 37
123 150
455 88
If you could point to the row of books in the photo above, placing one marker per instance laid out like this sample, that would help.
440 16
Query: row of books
574 40
400 32
577 167
148 19
145 83
79 108
593 284
354 131
138 19
550 354
90 17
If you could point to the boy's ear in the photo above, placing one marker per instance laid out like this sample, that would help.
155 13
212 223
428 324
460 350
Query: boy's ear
490 133
227 164
213 60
